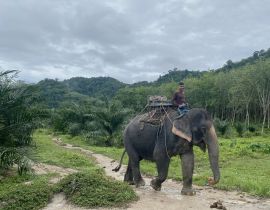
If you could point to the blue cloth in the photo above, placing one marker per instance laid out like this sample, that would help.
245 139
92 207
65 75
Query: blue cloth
182 110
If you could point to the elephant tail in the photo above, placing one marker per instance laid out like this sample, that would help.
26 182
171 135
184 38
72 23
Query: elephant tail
120 164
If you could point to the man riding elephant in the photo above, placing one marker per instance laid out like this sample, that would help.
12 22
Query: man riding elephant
179 99
160 143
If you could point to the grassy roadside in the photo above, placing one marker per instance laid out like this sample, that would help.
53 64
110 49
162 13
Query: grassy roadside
244 163
87 188
25 192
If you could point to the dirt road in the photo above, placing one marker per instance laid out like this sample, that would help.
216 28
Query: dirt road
169 197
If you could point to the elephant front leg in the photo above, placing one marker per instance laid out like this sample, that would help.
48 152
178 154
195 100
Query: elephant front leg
187 161
162 167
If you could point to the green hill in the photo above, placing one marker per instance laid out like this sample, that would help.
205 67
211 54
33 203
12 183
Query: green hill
257 55
95 86
176 75
53 93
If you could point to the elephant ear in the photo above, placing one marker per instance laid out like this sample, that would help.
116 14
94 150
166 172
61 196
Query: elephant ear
181 128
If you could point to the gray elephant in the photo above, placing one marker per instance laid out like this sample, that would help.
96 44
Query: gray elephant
175 136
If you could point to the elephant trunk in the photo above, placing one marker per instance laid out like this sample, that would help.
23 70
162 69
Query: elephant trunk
213 152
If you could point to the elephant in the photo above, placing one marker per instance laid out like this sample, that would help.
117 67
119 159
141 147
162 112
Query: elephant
174 136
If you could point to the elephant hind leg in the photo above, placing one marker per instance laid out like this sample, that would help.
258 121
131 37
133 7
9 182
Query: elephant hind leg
138 180
128 175
134 163
162 167
129 178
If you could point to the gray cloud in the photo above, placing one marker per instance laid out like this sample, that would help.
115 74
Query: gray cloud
129 40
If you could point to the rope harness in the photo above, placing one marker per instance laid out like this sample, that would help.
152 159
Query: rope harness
165 140
160 122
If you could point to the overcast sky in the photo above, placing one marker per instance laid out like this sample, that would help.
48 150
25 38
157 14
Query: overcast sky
130 40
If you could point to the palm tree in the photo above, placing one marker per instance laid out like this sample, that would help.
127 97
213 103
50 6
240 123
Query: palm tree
16 123
110 118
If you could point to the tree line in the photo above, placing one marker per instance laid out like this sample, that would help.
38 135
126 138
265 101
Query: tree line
240 95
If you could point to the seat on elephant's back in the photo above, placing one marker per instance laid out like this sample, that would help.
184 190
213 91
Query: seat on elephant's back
157 107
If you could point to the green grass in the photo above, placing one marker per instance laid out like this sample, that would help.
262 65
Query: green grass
92 190
50 153
92 187
242 167
25 192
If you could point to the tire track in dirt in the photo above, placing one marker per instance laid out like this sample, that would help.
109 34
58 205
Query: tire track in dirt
169 197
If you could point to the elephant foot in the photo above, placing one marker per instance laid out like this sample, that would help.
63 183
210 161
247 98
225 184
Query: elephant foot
188 191
130 182
140 183
155 186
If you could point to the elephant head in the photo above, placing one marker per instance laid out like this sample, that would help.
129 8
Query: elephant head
198 125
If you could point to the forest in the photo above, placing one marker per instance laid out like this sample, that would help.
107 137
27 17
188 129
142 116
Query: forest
237 98
97 109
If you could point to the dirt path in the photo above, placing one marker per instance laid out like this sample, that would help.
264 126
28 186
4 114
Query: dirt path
169 197
41 168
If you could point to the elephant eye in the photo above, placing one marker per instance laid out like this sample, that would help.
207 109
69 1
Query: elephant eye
203 129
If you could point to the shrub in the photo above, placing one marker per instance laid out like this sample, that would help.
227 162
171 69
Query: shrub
230 132
221 126
258 147
12 156
239 128
93 189
252 129
247 134
118 139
